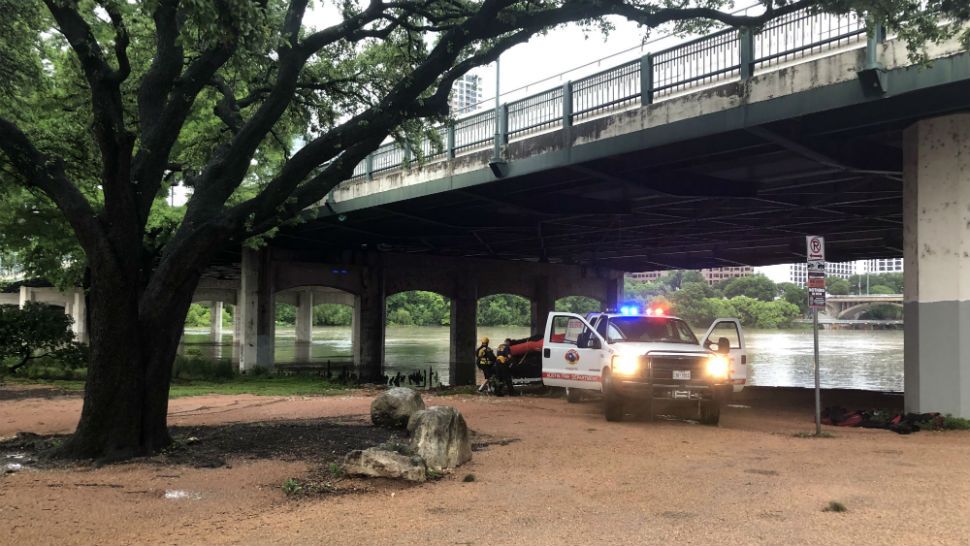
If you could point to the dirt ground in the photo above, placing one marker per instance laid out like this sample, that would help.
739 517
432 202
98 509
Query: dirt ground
568 478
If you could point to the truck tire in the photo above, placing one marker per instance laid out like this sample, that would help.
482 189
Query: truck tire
710 413
573 396
612 403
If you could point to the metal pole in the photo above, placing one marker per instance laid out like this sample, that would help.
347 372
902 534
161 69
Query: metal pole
498 111
818 388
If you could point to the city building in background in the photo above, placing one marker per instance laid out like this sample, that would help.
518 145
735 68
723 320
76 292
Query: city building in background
793 273
884 265
712 275
466 94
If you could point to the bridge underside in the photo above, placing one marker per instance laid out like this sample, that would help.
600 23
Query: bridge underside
741 196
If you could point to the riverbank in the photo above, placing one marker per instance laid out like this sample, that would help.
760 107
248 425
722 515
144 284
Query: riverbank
563 475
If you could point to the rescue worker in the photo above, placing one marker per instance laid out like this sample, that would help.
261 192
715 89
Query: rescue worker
485 358
503 369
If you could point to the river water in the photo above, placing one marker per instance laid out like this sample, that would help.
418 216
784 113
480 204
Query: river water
851 359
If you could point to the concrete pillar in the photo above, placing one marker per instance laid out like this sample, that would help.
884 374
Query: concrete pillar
246 306
370 326
80 316
237 323
936 252
215 322
543 303
355 332
265 313
464 311
26 294
304 316
614 293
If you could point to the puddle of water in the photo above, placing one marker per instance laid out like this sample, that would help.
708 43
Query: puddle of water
179 494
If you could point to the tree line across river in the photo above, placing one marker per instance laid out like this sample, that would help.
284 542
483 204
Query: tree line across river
756 300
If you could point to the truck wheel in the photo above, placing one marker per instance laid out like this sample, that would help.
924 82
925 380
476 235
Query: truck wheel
710 413
612 403
573 396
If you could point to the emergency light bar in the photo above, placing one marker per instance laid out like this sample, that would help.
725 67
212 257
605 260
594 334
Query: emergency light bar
629 310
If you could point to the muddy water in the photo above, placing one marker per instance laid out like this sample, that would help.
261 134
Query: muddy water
869 360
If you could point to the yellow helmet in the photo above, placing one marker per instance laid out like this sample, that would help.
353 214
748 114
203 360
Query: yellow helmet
484 341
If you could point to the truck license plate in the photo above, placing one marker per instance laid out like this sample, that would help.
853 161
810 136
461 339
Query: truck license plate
682 374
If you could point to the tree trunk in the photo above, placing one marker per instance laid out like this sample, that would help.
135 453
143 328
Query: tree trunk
132 347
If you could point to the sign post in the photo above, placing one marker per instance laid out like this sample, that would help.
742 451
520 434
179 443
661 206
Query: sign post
815 261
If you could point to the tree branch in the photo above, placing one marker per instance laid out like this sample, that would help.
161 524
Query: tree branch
121 39
47 175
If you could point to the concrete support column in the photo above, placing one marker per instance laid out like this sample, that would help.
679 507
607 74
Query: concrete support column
26 294
936 250
464 314
369 326
304 316
265 313
80 316
246 308
237 323
614 293
543 303
355 332
215 322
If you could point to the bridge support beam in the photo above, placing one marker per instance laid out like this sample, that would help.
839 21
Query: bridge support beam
543 303
257 309
369 326
464 311
215 322
936 215
304 316
614 293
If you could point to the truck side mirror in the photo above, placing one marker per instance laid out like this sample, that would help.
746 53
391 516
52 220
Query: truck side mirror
723 345
594 343
582 340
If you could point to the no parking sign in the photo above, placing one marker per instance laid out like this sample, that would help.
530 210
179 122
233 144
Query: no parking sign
815 258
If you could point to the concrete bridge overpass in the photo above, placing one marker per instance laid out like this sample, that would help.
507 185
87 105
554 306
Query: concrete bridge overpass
851 307
723 151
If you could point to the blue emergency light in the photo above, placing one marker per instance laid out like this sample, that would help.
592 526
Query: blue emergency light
629 310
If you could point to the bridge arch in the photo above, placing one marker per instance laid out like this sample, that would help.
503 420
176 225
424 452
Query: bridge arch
855 311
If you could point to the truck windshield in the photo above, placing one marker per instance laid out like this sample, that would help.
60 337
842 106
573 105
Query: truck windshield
663 329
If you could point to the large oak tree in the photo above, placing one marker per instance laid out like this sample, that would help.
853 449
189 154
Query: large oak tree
105 103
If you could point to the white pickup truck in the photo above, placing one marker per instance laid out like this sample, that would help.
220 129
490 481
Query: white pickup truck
642 358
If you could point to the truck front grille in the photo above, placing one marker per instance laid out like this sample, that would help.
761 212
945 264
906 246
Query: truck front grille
663 367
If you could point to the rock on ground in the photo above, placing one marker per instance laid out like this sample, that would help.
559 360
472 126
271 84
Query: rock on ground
380 463
394 407
440 436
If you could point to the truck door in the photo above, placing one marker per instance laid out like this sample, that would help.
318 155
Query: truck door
569 359
730 329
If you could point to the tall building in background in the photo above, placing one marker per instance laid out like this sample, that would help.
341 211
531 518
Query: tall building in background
798 273
884 265
466 94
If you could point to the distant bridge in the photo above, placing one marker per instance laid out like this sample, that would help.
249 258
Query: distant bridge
852 307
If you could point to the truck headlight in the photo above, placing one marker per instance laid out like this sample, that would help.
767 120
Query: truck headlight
626 364
717 366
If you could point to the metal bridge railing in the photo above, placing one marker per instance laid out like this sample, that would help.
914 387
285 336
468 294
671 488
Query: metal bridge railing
722 56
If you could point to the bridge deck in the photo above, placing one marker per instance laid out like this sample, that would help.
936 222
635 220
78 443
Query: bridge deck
732 174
